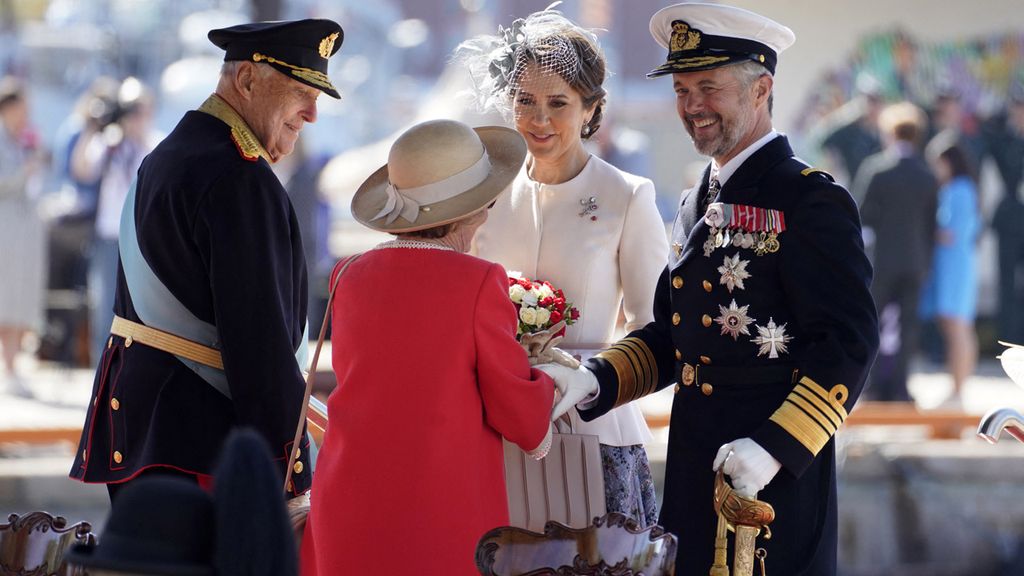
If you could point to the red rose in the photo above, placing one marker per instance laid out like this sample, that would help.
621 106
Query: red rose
556 317
525 283
560 301
547 302
574 314
511 281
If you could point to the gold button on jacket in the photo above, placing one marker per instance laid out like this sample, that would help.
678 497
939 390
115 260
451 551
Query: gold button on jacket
679 355
298 468
115 404
118 457
677 282
676 319
706 321
705 360
707 389
707 286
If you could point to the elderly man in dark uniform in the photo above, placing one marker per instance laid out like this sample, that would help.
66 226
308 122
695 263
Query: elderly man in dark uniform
210 308
763 317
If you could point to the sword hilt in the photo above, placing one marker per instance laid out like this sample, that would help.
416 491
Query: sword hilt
747 517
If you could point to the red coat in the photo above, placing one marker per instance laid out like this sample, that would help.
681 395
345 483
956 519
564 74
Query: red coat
430 378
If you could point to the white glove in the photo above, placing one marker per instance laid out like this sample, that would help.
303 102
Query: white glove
572 385
749 465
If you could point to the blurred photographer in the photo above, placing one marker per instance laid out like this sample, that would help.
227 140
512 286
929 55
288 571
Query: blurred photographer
22 162
117 135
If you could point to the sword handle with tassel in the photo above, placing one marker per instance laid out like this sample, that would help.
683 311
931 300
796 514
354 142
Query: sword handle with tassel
747 517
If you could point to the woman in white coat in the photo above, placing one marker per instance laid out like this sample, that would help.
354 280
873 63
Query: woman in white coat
573 219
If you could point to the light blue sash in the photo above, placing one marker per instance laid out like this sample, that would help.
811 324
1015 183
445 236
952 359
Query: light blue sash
159 309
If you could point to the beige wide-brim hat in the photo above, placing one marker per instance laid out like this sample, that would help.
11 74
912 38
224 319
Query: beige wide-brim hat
439 172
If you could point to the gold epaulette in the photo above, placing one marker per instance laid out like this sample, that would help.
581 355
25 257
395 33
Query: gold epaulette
245 140
635 367
809 171
812 414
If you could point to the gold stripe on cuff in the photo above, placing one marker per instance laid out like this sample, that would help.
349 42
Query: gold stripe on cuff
645 359
624 372
812 412
792 418
817 408
836 397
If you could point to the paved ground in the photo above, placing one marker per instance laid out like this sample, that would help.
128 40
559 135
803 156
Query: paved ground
35 476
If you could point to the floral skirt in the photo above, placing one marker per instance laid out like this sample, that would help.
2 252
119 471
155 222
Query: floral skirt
628 485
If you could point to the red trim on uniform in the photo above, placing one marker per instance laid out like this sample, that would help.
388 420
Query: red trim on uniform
253 158
201 478
205 482
108 357
110 414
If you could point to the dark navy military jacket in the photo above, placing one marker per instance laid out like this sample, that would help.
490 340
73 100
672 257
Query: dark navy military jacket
217 228
762 341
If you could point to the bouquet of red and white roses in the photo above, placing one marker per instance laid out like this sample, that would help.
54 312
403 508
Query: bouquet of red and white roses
543 315
539 306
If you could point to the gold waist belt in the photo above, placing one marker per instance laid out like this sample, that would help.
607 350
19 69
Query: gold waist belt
167 342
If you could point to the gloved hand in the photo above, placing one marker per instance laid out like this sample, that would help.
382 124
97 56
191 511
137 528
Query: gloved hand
749 465
573 385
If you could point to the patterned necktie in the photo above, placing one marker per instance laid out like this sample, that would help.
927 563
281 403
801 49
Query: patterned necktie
713 188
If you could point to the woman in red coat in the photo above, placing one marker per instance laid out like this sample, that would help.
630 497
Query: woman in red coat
430 376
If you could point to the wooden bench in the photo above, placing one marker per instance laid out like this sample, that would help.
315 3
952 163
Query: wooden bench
40 435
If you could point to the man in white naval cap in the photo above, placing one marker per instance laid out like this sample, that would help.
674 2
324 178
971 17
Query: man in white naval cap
763 317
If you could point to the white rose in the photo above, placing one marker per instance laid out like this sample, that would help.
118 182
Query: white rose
516 293
528 315
545 292
543 315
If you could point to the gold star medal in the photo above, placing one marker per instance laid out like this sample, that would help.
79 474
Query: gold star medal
734 272
772 339
734 320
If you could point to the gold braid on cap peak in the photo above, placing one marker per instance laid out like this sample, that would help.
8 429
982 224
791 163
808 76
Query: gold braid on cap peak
635 368
315 76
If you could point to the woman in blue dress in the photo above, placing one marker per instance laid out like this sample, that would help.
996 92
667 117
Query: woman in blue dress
950 295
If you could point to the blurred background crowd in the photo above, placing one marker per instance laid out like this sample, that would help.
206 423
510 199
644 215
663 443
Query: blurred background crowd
877 94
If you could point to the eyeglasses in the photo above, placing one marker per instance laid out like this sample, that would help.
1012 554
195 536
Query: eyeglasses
491 205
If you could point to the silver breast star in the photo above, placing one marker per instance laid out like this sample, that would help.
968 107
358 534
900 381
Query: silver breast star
734 320
734 272
772 339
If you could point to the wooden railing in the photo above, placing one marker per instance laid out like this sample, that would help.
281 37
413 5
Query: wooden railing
940 423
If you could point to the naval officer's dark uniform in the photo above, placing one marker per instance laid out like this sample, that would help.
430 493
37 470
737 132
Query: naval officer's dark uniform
807 304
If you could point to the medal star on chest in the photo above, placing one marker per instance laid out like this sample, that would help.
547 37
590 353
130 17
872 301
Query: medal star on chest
734 272
734 320
772 339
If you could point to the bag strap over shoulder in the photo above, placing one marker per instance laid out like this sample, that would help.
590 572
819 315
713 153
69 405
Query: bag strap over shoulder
342 266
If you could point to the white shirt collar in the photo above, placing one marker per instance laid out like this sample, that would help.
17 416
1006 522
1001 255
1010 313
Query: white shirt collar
730 167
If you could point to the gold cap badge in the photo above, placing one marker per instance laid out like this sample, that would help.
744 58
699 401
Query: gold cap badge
327 45
683 37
